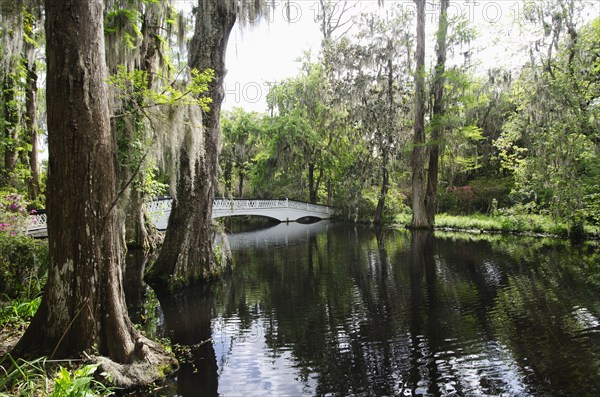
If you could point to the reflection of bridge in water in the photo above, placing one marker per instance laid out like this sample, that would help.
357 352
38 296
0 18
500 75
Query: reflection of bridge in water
159 211
277 235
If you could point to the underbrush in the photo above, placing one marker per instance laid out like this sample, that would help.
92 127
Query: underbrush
18 312
23 273
41 377
23 266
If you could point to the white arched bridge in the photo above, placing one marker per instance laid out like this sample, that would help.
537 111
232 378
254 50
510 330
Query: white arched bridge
159 211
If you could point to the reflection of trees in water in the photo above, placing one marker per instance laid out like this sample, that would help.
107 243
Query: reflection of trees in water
362 310
133 284
310 291
188 315
539 315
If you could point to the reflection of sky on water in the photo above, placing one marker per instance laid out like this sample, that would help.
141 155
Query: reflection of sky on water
248 367
585 319
492 273
278 235
492 370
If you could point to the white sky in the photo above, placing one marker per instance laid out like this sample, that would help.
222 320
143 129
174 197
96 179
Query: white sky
260 55
263 54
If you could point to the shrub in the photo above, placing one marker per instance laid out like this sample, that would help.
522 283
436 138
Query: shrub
395 204
23 265
17 313
478 196
13 214
457 199
37 378
80 383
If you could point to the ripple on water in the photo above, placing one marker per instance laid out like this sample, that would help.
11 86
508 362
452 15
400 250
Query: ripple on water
249 367
489 371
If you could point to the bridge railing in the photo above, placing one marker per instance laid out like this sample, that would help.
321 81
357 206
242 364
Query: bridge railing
157 207
37 221
227 204
322 209
233 204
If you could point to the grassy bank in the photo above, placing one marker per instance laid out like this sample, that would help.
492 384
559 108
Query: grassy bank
514 224
41 377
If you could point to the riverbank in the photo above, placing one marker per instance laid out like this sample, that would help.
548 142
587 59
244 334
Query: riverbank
533 225
86 376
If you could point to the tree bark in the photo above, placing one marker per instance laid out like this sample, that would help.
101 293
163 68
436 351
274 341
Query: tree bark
187 255
419 218
438 112
227 175
312 189
32 131
11 43
11 123
83 308
241 184
385 182
137 234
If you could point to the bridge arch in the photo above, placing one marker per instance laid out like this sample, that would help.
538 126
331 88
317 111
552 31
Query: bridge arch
280 210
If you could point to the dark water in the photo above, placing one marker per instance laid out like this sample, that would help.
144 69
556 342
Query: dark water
329 309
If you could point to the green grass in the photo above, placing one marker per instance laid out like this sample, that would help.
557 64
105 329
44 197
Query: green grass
42 378
18 312
22 378
518 224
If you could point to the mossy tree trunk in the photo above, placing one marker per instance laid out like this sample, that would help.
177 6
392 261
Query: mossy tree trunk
32 130
187 255
10 125
437 126
135 134
11 46
419 216
139 231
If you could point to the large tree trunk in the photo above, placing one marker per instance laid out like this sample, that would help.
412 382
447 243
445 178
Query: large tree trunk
438 112
11 44
83 308
312 187
241 184
419 216
187 255
137 233
32 131
11 130
385 183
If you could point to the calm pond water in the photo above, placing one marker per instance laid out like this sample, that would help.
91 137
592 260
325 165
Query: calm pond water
337 310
